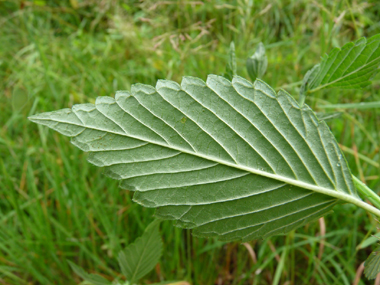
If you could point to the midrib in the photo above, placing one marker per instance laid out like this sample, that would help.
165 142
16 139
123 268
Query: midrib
315 188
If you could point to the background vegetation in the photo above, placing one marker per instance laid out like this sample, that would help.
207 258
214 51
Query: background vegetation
55 206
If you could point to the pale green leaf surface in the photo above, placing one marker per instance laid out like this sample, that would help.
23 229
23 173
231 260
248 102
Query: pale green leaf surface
140 257
350 67
92 278
372 264
229 159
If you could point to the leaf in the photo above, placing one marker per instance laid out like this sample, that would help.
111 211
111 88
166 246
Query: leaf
257 64
231 66
140 257
369 241
306 81
350 67
372 264
92 278
247 163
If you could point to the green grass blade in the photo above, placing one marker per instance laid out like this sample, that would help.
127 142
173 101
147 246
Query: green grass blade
328 116
361 105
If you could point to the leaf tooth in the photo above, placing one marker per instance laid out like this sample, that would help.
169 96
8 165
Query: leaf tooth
187 81
122 93
83 107
216 79
265 88
167 84
240 80
284 95
147 89
104 100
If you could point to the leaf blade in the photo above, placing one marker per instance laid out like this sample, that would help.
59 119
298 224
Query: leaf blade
350 67
140 257
92 278
237 142
372 264
257 64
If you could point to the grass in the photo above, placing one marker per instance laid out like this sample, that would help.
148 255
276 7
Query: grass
55 206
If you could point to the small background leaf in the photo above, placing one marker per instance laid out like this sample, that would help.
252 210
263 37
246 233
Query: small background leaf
257 64
92 278
369 241
231 67
140 257
306 81
372 264
350 67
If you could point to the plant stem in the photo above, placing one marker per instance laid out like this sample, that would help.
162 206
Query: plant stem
367 192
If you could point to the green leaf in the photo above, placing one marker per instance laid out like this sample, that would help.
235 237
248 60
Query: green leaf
92 278
140 257
231 65
372 264
369 241
246 163
350 67
306 81
257 64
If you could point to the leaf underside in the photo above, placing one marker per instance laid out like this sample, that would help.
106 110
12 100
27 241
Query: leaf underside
372 264
350 67
228 159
